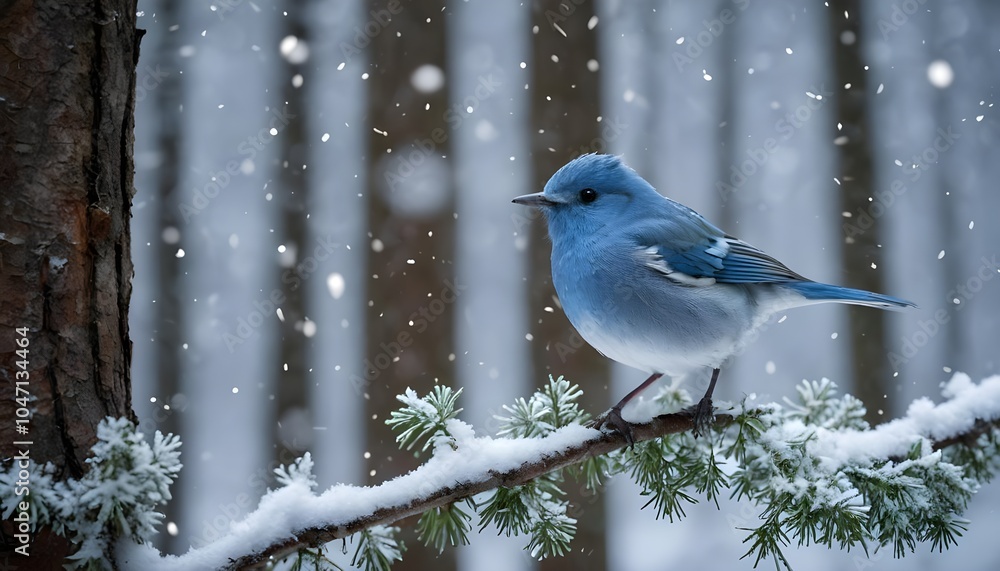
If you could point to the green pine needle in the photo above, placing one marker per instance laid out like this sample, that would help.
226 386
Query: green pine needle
377 548
764 456
444 526
423 419
507 510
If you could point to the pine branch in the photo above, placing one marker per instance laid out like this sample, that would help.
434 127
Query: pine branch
601 443
821 474
970 437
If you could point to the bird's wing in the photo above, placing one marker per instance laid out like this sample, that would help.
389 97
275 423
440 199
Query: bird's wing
690 250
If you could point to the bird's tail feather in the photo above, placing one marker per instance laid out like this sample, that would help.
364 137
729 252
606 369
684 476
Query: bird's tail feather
819 292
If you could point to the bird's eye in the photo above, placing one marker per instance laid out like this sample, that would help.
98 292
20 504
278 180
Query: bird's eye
588 195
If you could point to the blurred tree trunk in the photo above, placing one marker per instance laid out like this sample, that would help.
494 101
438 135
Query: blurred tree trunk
410 285
292 426
870 373
726 154
67 75
949 195
565 109
167 284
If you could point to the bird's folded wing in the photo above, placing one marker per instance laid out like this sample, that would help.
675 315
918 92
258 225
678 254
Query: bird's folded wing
697 253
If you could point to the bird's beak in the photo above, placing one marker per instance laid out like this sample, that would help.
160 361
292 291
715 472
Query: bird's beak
537 199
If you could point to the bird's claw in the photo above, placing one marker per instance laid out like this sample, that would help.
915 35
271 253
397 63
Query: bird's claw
703 415
612 419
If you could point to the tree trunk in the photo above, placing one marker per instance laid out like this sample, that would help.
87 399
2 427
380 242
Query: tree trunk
729 141
292 428
861 249
411 222
167 282
67 90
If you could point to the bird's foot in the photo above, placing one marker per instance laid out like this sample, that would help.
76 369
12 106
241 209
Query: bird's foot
613 420
703 415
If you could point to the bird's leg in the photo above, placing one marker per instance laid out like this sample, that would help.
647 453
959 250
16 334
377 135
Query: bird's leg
613 417
703 412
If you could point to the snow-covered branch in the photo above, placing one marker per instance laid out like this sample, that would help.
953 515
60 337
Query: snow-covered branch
515 463
291 518
822 475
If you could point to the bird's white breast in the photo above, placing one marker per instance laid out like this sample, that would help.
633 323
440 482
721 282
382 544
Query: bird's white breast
655 354
633 313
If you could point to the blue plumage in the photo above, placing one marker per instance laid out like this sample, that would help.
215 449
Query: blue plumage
826 292
650 283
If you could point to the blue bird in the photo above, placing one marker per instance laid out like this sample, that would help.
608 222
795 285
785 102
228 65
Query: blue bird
651 284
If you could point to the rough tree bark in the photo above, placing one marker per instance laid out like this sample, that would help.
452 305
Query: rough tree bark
67 90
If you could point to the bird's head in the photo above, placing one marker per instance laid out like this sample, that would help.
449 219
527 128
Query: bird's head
589 193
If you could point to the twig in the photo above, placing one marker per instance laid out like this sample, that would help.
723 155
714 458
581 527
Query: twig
969 438
604 443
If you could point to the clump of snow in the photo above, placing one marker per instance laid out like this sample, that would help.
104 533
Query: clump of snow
924 421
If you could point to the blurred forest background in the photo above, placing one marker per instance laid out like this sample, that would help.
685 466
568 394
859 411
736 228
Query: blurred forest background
323 219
